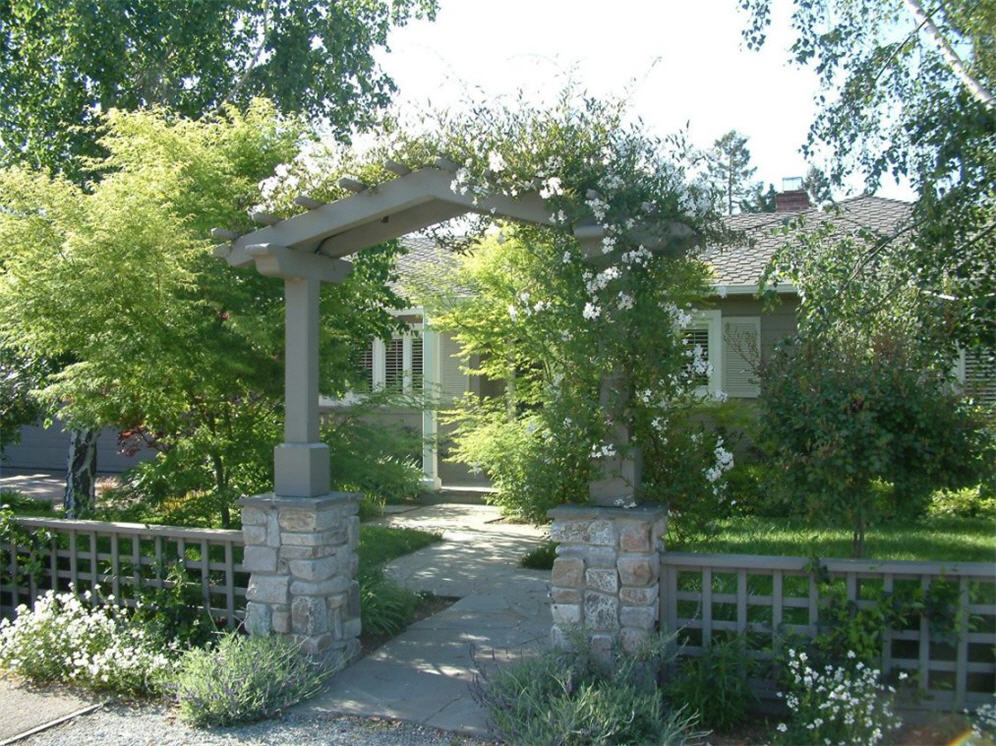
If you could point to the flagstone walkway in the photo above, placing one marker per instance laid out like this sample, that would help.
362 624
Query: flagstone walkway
424 674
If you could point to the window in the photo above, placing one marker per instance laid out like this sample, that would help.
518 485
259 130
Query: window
976 371
703 332
395 365
699 339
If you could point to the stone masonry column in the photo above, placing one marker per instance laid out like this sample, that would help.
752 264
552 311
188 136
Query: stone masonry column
301 553
606 575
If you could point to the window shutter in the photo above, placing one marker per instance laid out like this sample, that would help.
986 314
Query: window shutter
741 346
417 363
453 381
980 376
394 364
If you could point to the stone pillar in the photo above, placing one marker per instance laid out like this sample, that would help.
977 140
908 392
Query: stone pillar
301 553
606 575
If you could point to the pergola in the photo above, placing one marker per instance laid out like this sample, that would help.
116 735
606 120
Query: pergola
301 539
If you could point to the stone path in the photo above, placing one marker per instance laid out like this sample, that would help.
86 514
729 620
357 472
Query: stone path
423 675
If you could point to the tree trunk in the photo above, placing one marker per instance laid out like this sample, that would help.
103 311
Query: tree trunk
81 471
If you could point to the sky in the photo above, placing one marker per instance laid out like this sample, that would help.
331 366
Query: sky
677 61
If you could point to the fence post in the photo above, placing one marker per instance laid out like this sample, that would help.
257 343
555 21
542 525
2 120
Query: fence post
605 577
301 553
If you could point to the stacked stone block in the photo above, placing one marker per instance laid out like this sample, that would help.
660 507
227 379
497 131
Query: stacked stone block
301 553
606 575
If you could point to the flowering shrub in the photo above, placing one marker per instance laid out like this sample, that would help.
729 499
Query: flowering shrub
838 706
984 723
66 638
586 335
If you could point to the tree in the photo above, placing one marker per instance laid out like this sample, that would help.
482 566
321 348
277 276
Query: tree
18 377
909 93
863 391
167 341
729 172
65 62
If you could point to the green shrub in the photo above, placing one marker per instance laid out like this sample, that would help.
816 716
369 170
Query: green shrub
540 558
566 697
386 608
242 679
78 640
841 412
968 502
715 684
174 612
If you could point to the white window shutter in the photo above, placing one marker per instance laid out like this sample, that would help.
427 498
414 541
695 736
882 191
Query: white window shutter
741 351
453 381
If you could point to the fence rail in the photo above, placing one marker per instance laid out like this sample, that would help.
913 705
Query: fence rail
121 559
948 643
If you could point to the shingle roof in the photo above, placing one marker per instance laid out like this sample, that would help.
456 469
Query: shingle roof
732 265
743 264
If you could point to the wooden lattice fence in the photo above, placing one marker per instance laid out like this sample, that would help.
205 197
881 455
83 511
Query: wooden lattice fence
121 559
946 643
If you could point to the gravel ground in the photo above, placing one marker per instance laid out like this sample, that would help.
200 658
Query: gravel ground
151 725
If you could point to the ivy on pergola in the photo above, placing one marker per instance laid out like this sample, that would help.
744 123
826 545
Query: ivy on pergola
308 249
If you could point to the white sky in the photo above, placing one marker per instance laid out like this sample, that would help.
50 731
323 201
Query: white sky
681 61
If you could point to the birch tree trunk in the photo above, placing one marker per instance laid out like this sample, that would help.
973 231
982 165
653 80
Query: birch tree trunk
81 471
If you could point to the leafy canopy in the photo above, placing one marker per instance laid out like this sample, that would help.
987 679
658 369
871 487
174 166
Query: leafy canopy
168 342
908 92
64 62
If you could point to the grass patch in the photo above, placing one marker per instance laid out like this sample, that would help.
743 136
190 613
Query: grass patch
381 544
940 539
26 506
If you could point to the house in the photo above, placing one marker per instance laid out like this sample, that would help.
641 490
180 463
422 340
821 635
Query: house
734 332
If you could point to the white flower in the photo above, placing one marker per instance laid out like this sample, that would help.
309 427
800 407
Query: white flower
513 313
551 188
495 162
625 301
591 311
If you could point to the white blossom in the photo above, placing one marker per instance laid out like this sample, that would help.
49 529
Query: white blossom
591 311
496 163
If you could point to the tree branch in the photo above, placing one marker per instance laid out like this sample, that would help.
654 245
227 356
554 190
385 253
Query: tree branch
976 88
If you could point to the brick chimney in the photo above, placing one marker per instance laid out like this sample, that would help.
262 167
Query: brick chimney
793 197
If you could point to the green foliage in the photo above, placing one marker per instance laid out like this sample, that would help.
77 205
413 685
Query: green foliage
87 642
386 608
969 502
372 456
540 558
894 104
730 173
715 684
169 344
64 62
18 376
839 415
566 697
173 612
242 679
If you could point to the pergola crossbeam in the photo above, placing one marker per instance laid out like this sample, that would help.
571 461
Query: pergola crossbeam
428 189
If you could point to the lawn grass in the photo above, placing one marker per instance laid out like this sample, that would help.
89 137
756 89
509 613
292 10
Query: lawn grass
941 539
26 506
381 544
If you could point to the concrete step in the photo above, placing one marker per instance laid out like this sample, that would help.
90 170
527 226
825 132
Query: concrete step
462 495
